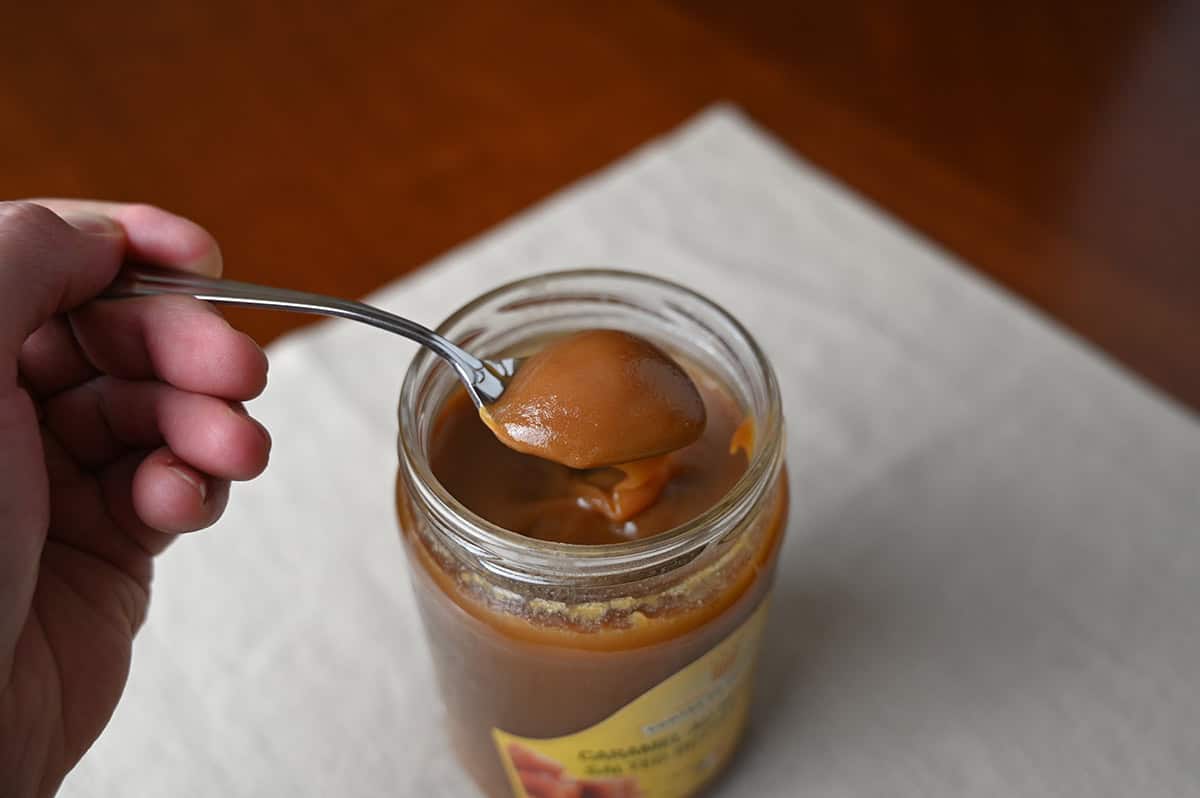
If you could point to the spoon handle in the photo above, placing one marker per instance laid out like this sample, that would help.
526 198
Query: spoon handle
483 383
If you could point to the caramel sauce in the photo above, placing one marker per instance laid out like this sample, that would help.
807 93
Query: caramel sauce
550 501
597 398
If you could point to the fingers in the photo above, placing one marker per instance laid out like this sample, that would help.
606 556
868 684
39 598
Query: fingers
176 339
47 266
154 496
55 255
102 419
152 234
179 340
169 495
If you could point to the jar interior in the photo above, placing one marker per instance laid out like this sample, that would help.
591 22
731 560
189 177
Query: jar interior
512 320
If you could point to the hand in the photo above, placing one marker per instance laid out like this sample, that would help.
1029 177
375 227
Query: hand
120 427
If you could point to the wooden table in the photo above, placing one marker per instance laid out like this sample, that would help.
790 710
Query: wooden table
334 146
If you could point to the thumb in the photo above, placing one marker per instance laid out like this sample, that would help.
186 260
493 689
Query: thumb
49 264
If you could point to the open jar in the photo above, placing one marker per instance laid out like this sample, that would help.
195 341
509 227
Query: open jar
589 671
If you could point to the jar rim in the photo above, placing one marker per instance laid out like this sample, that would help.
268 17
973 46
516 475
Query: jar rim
514 555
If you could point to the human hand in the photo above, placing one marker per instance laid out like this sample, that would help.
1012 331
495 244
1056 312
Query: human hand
120 427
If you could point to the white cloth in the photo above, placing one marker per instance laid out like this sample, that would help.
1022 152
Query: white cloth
991 585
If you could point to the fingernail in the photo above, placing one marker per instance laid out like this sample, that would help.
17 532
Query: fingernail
190 477
262 430
240 409
93 223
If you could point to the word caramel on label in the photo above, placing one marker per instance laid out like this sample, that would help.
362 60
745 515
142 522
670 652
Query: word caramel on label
664 744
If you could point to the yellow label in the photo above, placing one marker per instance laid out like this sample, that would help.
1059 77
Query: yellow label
664 744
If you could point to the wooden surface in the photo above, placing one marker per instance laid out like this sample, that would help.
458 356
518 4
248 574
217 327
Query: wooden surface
334 146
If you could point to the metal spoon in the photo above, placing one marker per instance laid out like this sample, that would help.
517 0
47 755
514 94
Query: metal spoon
484 380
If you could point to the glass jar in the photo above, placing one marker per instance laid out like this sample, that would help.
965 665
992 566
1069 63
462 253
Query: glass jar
607 670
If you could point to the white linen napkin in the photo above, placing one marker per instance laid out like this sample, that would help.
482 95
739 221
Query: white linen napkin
991 585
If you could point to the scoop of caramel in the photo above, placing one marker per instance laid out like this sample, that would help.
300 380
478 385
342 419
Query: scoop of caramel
598 398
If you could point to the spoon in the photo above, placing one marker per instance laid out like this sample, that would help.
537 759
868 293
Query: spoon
484 380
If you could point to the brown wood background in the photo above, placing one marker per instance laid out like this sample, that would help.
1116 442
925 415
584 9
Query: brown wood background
333 146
